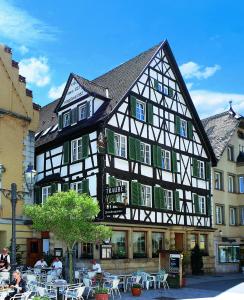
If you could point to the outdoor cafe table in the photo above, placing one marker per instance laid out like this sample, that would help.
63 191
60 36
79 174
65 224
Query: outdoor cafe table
58 285
4 292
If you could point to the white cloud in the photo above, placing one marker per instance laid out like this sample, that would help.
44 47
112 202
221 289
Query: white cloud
23 49
210 102
19 26
193 70
55 92
35 70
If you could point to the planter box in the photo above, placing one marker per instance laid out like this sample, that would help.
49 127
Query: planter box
101 296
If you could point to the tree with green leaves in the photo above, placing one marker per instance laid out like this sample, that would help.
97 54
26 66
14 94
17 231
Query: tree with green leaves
70 216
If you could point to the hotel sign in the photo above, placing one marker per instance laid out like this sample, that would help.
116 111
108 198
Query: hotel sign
115 190
113 207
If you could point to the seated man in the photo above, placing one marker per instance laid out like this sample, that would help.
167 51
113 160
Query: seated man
41 263
5 261
96 266
57 267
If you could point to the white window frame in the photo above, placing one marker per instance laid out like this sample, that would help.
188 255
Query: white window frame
145 153
201 169
83 106
202 204
141 113
66 114
46 192
124 197
120 144
76 150
76 186
231 183
233 216
219 214
183 128
168 199
241 186
218 180
146 195
230 153
166 160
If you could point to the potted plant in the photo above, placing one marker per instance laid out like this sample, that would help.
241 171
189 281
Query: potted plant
136 289
101 293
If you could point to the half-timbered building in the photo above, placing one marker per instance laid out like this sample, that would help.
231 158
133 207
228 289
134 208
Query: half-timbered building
135 127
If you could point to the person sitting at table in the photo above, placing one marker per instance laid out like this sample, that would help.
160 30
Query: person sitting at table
57 267
5 261
96 267
18 284
41 263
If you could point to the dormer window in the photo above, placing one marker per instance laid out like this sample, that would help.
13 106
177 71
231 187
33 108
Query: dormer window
82 112
66 119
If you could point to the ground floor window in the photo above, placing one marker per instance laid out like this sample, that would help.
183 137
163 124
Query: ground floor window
229 254
119 244
87 250
157 243
193 240
139 244
203 242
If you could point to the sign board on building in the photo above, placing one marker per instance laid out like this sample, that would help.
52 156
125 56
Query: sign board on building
74 92
114 211
174 263
115 190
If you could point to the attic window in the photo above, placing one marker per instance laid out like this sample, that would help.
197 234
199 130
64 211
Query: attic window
66 119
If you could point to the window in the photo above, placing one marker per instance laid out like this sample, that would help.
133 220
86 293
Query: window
76 149
157 243
200 169
162 88
46 192
230 153
123 197
218 184
119 244
145 153
120 145
183 128
87 250
203 242
231 183
202 204
241 184
166 160
219 214
168 199
83 112
233 216
140 110
139 244
193 240
146 195
66 119
229 254
242 215
76 186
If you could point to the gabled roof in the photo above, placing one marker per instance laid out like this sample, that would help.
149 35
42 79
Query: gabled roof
220 129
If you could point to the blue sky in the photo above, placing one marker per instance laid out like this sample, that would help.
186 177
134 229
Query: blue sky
50 39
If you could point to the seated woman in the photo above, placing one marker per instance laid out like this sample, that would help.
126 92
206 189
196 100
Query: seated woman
18 284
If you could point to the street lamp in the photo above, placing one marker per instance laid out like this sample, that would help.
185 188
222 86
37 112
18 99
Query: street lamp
14 196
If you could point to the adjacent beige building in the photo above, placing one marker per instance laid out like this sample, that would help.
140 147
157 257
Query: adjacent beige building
226 134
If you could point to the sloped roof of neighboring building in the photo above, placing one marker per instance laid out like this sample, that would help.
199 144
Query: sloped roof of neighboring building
47 116
220 128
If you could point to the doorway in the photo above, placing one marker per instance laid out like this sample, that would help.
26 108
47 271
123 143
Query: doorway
179 241
34 251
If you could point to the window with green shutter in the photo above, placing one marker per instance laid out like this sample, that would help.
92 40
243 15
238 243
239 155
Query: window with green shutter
177 200
190 130
60 121
38 195
135 193
157 156
54 188
85 146
85 186
156 198
174 161
171 92
65 187
110 141
208 170
177 125
111 181
132 148
150 113
194 167
133 106
66 152
138 150
196 204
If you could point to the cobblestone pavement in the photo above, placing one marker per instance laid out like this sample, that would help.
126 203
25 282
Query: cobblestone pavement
219 287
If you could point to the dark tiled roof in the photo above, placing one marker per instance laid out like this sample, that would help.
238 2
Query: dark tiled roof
220 129
48 117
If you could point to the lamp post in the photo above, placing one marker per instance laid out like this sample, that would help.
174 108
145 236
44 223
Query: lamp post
14 196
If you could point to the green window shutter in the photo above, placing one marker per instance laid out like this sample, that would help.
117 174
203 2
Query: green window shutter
110 141
85 186
85 146
155 84
177 200
111 181
190 130
65 186
139 193
209 206
138 150
66 152
171 92
177 125
157 156
156 198
38 195
133 106
174 161
162 198
208 170
196 204
195 167
60 121
150 113
73 115
132 148
134 193
88 109
54 188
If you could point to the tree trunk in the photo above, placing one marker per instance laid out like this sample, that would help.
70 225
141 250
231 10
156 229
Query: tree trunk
71 267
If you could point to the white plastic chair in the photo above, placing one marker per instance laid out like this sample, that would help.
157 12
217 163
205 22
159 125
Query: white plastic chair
147 279
131 280
113 287
23 296
75 293
88 284
163 280
44 293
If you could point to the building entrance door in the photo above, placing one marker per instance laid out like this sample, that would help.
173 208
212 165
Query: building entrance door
179 241
34 251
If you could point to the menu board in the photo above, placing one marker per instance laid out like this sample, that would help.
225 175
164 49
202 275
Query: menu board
174 262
